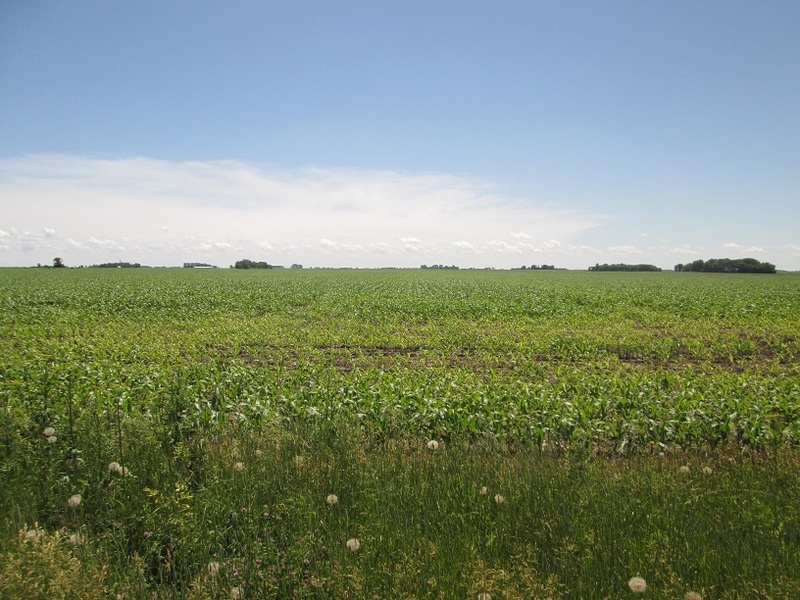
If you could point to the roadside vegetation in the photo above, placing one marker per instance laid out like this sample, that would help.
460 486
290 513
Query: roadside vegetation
401 434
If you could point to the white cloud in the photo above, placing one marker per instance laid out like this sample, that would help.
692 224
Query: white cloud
503 247
685 250
464 245
327 244
163 212
741 248
624 250
106 244
550 245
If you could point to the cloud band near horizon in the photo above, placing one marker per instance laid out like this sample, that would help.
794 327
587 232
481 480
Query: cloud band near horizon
92 210
144 209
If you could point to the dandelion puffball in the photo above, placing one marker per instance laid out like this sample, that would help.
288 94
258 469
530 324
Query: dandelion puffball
49 432
484 490
433 445
637 585
684 469
239 466
353 544
332 499
74 500
34 534
499 499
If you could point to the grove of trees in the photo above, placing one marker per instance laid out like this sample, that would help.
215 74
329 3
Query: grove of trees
251 264
624 267
727 265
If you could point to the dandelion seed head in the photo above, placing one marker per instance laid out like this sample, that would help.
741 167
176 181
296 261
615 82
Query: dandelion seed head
484 596
708 470
114 467
332 499
693 596
239 466
49 432
684 469
33 534
75 500
433 445
637 585
51 439
499 499
353 544
484 490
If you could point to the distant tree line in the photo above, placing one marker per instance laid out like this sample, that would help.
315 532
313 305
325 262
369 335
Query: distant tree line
536 268
251 264
118 265
624 267
727 265
439 267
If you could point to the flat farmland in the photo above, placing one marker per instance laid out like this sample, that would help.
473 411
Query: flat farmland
483 433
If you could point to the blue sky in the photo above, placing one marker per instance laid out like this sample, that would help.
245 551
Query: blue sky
355 133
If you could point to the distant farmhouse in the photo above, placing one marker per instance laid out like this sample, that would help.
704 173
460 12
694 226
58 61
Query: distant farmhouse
193 265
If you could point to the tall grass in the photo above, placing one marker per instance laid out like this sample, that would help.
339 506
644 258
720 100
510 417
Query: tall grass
250 508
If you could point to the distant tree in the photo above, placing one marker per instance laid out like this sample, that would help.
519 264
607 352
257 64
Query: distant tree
117 265
250 264
728 265
58 263
623 267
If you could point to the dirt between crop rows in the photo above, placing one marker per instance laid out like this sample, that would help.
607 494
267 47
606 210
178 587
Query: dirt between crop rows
346 358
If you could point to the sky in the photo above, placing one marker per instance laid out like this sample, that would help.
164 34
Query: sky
358 133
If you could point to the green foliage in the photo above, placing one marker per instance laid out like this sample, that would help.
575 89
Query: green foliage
727 265
204 417
118 265
623 267
249 264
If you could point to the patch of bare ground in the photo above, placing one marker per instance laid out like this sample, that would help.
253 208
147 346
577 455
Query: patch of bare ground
347 357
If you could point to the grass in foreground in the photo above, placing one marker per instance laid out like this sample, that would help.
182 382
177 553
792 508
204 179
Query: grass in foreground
270 513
